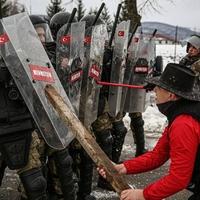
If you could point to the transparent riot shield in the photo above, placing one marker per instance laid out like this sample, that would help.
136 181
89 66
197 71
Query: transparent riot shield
94 50
130 63
118 66
31 70
70 55
135 98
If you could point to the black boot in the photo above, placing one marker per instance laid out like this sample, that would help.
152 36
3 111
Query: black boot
34 184
2 169
119 132
105 140
63 162
138 133
85 177
87 197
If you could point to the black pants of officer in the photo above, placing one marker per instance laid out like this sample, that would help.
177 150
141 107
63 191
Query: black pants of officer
83 169
51 180
137 128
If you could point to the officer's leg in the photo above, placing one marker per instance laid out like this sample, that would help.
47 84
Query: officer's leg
118 132
83 169
138 132
2 168
102 130
63 174
34 184
31 175
85 177
53 182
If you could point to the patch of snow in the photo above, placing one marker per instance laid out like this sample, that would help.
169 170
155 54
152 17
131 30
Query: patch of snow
104 194
170 53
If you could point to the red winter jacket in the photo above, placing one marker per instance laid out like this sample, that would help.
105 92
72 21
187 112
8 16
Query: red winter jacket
179 143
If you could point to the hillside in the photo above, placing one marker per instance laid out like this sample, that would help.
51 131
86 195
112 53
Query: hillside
166 30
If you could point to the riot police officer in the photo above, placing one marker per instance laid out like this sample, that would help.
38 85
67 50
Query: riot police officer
59 164
19 142
82 163
104 126
193 51
193 55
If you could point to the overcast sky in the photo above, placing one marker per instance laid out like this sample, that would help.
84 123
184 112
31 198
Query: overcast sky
181 12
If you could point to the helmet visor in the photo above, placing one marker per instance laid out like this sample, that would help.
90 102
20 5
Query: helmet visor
44 32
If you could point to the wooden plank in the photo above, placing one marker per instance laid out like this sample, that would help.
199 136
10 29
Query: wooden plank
86 140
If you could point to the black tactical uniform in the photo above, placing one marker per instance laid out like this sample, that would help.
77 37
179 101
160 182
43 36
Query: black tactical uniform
114 124
137 127
83 167
107 130
82 163
60 180
19 142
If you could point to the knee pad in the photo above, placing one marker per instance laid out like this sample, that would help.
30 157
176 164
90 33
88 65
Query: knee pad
63 162
105 141
34 184
104 137
63 158
119 128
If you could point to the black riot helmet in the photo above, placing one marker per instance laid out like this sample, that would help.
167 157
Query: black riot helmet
89 20
46 18
58 20
36 19
42 28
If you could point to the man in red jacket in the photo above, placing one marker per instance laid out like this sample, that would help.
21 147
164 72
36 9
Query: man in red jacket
179 142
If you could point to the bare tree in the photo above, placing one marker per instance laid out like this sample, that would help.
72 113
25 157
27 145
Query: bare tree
5 8
105 16
16 7
150 5
80 9
130 12
132 9
54 8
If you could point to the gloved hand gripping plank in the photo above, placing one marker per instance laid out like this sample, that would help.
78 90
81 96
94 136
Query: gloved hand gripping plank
86 140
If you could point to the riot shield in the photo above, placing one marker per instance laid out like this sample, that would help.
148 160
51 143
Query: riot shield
118 66
69 58
31 70
130 63
135 98
94 49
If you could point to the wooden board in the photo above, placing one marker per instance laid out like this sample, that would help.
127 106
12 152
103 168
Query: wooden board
85 138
